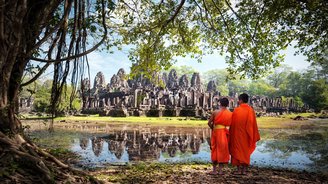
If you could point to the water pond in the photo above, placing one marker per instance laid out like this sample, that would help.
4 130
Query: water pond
283 149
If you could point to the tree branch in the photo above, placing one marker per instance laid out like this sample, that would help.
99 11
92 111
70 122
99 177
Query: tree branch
228 29
175 14
242 20
49 33
37 75
258 21
168 21
85 52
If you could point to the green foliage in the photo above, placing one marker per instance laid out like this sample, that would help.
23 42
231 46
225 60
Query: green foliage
261 87
299 102
250 34
238 86
317 95
182 70
281 82
219 76
42 95
64 104
279 75
140 98
292 85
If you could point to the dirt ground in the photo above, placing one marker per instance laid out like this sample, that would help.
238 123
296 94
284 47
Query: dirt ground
198 173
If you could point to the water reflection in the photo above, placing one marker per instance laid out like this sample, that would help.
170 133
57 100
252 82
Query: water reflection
306 152
145 145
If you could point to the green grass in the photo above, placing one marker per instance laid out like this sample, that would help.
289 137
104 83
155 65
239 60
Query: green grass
284 121
292 115
273 122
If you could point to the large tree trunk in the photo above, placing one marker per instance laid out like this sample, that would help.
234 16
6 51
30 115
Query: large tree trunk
12 62
21 23
21 161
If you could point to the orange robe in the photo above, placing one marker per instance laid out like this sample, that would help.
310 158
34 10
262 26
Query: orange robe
219 139
243 135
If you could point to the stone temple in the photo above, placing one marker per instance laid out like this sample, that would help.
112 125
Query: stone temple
172 96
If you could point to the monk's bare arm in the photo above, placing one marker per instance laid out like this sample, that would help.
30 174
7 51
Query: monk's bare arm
210 121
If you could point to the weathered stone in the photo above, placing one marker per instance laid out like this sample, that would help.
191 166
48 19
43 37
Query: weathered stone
99 81
196 82
121 73
172 82
164 79
211 86
183 82
85 86
167 96
114 82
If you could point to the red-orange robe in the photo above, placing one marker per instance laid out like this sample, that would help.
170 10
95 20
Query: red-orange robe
243 135
219 138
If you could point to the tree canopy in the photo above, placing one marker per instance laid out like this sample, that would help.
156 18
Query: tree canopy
250 34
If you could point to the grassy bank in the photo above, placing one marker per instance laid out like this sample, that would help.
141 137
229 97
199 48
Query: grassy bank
285 121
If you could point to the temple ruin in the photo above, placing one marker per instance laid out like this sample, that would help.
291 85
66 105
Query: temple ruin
170 96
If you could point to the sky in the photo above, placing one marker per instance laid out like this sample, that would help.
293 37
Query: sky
109 64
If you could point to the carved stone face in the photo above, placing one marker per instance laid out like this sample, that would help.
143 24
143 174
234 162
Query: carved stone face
121 73
211 86
172 80
99 81
85 84
183 82
164 79
113 81
195 81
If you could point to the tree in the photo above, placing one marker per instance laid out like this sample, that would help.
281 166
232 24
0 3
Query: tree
48 32
261 87
42 98
292 85
279 75
316 96
181 70
219 76
238 86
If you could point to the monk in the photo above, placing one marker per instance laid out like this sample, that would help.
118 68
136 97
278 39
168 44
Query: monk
218 122
243 135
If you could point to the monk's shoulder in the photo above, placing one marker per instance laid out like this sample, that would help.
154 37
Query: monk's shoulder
227 111
237 109
214 113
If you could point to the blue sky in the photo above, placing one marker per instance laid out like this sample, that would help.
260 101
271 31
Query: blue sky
109 64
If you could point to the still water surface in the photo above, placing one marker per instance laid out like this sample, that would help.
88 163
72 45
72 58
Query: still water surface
191 144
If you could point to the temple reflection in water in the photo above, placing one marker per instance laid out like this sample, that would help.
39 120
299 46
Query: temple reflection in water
157 144
146 144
